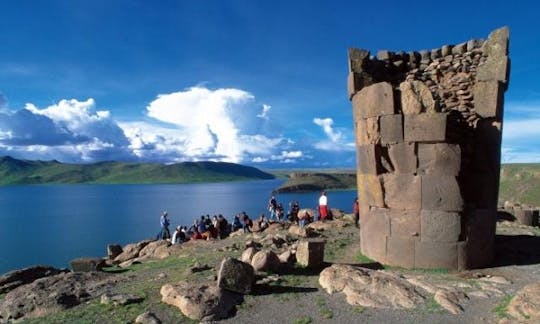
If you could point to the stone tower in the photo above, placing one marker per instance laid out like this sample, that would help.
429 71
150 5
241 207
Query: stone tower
428 137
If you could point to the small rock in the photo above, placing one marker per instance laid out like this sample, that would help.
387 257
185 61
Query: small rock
147 318
120 299
265 261
450 300
248 254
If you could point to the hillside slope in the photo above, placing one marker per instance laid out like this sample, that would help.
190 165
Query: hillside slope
13 171
520 183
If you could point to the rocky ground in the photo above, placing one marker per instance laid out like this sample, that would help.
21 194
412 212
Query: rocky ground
159 282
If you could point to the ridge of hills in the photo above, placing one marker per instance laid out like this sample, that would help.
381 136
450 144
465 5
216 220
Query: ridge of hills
15 171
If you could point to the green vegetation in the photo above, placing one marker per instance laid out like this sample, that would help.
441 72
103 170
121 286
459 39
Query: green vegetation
520 183
362 258
501 308
13 171
303 320
433 307
316 181
324 311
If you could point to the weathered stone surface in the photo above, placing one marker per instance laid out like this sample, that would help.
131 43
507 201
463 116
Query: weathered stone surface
287 257
374 100
16 278
87 264
459 48
497 42
370 190
52 294
248 254
147 318
403 157
310 253
524 216
200 302
131 251
433 255
488 98
113 250
425 127
391 129
441 193
120 299
402 191
369 159
400 251
494 69
374 229
440 226
368 131
357 59
404 223
236 276
450 300
155 250
353 84
369 288
265 261
301 232
525 305
416 98
439 159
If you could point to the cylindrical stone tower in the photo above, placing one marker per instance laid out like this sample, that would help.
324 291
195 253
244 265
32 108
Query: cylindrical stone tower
428 137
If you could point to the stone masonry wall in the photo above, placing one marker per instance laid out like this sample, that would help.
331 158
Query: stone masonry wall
428 134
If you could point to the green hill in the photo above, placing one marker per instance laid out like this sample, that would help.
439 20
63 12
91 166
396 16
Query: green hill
13 171
520 183
316 181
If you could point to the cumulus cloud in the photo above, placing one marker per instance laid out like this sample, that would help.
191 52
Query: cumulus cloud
264 112
335 138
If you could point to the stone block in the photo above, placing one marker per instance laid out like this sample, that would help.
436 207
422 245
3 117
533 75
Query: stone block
476 253
310 253
353 84
403 157
374 100
497 43
441 193
404 223
357 59
440 226
369 159
494 69
374 229
439 158
400 252
524 216
367 131
370 190
481 224
402 191
425 127
416 98
391 129
488 98
435 255
87 264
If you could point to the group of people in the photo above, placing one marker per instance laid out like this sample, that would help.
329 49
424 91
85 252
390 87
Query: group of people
218 227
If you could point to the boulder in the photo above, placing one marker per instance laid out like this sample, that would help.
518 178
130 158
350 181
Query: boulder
155 250
450 300
120 299
16 278
87 264
301 232
370 288
200 302
239 232
526 303
52 294
287 257
265 261
274 227
248 254
310 253
147 318
236 276
416 98
336 213
131 251
113 250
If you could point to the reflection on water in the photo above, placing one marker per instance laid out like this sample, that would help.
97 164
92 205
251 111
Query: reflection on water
52 224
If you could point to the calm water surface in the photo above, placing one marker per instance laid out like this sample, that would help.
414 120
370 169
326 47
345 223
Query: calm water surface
52 224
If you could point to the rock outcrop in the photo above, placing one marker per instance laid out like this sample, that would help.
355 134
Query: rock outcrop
16 278
526 303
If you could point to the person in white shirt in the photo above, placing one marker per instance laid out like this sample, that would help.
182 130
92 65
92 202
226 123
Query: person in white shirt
323 206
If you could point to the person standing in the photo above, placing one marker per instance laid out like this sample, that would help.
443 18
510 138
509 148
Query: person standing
164 234
272 208
356 211
323 206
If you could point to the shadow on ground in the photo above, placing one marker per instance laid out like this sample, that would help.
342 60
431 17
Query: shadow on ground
516 250
266 289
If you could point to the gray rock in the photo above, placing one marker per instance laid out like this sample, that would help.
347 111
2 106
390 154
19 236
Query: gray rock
248 254
236 276
200 302
147 318
113 250
87 264
265 261
131 251
120 299
16 278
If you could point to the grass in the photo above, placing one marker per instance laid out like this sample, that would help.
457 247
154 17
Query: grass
359 309
432 307
324 311
501 308
363 259
303 320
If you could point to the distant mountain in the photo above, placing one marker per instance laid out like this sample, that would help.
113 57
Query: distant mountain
14 171
316 181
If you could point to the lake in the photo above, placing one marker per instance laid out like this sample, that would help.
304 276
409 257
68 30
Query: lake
53 224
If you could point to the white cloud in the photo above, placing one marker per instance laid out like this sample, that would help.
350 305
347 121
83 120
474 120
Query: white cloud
336 139
326 124
264 112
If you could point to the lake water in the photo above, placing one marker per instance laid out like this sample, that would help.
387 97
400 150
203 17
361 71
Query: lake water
53 224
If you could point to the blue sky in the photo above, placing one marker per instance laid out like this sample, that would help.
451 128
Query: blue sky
261 83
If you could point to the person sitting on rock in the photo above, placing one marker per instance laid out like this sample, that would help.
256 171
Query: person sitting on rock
279 212
304 219
248 223
223 227
196 235
178 236
237 224
293 213
262 222
202 225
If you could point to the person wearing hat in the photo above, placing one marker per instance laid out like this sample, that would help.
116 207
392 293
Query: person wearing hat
164 234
